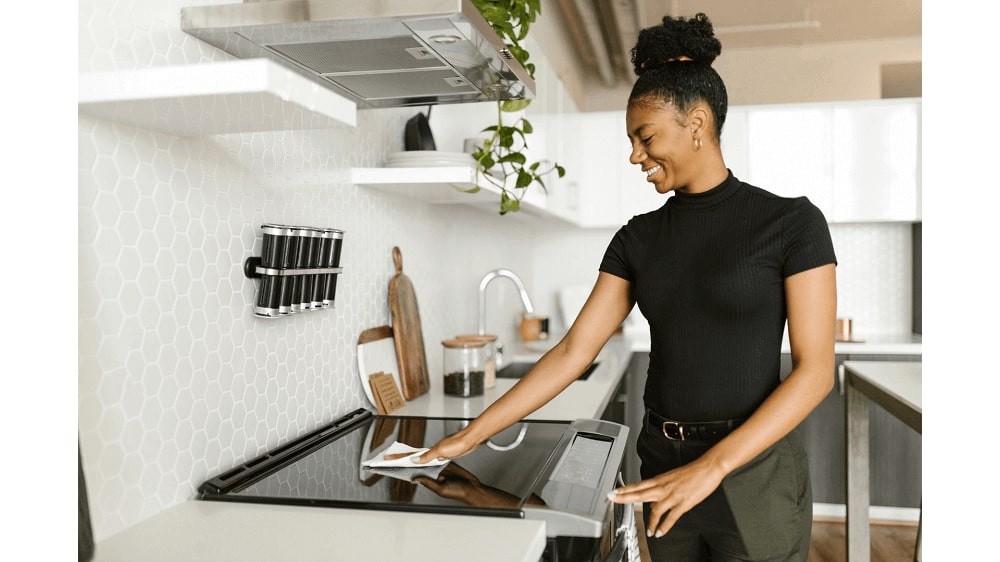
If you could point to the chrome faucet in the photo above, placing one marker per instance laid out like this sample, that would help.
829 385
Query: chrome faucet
528 309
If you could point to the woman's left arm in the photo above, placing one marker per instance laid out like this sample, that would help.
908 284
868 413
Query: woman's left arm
811 298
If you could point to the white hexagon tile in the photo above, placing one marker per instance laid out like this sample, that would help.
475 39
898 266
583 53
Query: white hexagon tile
178 379
874 284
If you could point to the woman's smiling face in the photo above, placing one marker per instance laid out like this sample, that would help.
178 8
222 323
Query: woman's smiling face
662 144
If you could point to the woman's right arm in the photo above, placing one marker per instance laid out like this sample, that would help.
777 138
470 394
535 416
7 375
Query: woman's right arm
606 308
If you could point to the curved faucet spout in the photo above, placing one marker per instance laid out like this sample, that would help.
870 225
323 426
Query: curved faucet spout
482 294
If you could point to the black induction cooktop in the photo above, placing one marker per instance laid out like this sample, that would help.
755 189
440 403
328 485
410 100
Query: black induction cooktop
559 471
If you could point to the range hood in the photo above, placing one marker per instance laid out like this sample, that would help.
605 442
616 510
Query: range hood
377 53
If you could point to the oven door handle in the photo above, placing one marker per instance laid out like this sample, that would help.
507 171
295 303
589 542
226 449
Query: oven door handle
626 545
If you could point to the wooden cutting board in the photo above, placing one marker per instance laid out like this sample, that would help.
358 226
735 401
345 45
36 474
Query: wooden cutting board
377 354
408 335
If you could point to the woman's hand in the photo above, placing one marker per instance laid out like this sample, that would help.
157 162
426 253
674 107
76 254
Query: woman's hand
671 494
449 448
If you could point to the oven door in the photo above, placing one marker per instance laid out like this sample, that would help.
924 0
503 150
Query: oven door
620 542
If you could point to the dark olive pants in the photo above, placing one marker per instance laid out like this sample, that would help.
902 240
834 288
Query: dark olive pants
761 511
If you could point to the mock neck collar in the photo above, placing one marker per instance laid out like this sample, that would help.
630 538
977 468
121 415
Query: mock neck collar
715 196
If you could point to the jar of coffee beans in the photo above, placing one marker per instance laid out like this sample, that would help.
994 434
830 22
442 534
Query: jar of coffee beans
464 366
489 356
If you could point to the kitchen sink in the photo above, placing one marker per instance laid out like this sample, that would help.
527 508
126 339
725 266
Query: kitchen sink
518 369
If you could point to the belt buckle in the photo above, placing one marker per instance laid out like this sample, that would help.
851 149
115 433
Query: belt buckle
677 433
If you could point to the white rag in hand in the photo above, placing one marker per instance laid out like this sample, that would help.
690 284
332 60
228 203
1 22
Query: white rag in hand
379 461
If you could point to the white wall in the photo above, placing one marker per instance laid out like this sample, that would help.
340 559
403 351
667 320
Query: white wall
177 380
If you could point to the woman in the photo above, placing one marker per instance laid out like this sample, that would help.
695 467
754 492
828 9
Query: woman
717 271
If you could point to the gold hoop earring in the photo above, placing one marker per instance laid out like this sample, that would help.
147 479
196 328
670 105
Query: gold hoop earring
697 144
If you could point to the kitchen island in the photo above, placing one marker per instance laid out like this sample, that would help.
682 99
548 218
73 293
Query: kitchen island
896 387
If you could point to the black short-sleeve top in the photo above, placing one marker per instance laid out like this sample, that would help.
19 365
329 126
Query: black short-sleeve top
707 271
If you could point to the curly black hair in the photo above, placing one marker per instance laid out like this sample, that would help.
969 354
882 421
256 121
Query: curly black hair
673 62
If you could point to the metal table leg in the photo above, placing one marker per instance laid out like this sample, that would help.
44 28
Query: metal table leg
858 483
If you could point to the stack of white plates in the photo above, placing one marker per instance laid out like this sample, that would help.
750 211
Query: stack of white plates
428 158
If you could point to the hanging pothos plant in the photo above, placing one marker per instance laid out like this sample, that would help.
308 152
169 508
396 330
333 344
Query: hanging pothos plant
501 155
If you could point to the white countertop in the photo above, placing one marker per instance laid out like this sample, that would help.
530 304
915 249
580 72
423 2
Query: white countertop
583 399
878 344
209 531
894 385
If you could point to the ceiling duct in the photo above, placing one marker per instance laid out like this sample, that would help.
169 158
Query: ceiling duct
626 33
603 33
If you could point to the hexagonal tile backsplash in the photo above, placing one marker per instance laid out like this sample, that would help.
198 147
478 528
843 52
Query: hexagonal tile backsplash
178 380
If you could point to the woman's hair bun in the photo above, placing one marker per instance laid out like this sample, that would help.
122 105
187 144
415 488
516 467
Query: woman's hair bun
675 38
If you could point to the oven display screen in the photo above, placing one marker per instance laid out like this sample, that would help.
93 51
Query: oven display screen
584 461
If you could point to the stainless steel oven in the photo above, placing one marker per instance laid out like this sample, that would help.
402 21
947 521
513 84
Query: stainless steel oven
558 472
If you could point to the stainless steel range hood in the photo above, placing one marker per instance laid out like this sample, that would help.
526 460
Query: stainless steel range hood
378 53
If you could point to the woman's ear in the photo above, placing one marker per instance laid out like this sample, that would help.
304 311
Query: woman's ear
698 119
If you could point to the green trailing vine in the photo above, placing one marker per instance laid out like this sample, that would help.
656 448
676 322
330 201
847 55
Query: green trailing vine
501 157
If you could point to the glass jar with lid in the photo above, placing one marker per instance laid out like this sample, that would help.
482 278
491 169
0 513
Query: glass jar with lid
490 358
464 366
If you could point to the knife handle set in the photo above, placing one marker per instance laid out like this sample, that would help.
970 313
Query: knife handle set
298 269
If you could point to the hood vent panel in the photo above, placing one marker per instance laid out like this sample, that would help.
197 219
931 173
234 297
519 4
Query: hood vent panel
331 57
439 51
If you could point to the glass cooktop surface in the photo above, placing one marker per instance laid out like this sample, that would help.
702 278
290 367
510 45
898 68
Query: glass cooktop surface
559 471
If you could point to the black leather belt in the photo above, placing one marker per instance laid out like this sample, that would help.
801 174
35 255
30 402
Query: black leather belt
682 431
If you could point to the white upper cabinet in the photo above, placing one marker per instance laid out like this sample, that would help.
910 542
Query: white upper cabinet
734 145
856 161
605 190
592 171
789 149
876 156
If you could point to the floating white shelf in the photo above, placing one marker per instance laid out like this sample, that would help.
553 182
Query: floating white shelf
237 96
437 185
446 185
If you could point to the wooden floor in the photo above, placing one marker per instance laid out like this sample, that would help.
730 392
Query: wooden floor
893 542
890 542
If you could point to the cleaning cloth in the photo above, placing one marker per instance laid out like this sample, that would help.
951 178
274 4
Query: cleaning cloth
388 458
400 465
